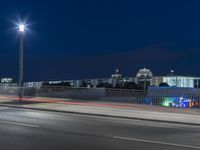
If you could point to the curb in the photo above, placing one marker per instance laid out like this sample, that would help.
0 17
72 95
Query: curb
100 115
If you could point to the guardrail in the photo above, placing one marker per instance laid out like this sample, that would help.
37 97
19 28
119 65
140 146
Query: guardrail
151 97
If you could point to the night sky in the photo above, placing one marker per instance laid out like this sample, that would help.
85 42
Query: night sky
75 39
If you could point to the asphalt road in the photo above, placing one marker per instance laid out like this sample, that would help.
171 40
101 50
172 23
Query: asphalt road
41 130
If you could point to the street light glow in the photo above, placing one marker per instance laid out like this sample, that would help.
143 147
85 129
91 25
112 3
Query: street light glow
21 27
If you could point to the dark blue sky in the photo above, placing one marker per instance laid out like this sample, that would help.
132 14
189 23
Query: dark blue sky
74 39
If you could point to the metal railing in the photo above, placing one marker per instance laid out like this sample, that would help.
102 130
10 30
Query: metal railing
161 98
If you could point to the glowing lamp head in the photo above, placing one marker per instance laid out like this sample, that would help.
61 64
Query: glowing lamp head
21 27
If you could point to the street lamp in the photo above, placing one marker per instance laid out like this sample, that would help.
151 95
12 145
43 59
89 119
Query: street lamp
21 27
21 59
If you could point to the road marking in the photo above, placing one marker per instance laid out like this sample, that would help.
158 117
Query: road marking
177 128
156 142
19 124
163 125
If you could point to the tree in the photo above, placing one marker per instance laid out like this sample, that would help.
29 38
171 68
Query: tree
118 86
104 85
83 84
163 84
64 84
130 85
56 84
45 83
100 85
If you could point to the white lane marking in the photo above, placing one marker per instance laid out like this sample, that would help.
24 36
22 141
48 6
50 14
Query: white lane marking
146 124
161 126
19 124
177 128
156 142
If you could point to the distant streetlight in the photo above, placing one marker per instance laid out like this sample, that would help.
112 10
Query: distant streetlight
21 28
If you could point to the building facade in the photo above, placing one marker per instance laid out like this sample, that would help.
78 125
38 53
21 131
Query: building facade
143 79
177 81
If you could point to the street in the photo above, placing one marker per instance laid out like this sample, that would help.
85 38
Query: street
23 129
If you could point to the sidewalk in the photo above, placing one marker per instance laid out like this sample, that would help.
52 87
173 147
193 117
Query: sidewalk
120 110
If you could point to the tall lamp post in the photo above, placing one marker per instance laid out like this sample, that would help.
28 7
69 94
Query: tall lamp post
21 59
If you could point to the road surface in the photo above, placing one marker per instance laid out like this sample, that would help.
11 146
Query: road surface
42 130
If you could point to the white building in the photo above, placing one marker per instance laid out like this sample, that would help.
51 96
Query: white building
116 77
144 78
182 81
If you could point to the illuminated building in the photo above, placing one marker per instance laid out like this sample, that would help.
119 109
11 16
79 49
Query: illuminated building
6 80
116 78
144 78
177 81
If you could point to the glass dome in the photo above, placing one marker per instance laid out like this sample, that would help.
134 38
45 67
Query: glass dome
144 73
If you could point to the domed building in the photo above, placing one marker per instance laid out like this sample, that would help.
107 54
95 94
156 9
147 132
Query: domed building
144 78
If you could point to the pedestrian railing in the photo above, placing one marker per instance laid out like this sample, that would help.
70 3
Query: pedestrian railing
149 97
